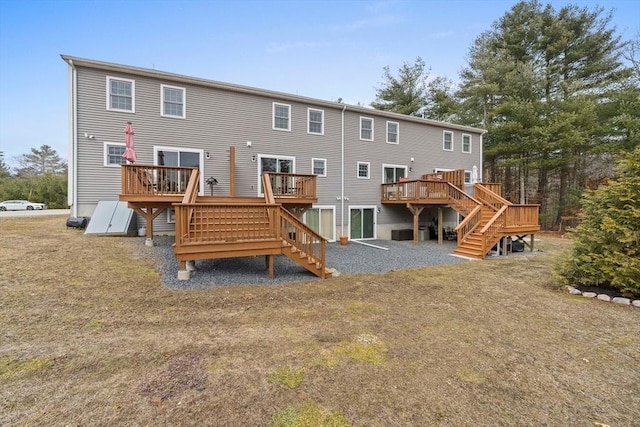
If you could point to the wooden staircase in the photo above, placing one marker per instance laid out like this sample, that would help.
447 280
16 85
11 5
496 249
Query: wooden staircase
208 227
472 246
492 219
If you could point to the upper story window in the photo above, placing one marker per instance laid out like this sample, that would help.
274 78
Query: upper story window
173 101
447 141
121 94
392 132
319 167
466 143
363 170
281 116
113 154
315 121
366 129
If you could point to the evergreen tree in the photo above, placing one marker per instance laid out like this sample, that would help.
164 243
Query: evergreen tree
40 162
606 244
405 94
544 83
441 102
5 172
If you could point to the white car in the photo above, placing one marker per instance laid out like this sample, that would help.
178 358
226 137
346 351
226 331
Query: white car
21 205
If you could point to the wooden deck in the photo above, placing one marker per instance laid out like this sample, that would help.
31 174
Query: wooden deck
229 226
488 216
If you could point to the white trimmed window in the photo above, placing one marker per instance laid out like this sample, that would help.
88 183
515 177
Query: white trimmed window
447 141
363 170
281 116
113 154
121 94
315 121
319 167
466 143
393 129
173 101
467 177
393 173
366 129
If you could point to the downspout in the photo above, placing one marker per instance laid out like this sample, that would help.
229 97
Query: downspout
342 179
481 171
72 173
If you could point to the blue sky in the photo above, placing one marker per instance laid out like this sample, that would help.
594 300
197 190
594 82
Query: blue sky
321 49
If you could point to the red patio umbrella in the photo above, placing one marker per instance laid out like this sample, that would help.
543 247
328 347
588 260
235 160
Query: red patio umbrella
130 153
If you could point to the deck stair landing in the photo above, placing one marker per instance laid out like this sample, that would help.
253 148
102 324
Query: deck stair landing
494 219
208 227
487 216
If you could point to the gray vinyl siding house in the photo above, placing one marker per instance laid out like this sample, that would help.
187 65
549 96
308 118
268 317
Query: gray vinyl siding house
196 121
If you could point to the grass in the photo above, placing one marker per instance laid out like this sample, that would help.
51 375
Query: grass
90 336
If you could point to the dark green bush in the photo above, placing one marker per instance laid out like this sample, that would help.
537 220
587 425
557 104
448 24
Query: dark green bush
606 243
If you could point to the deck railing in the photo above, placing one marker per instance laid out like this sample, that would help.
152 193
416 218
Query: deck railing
425 191
213 224
522 216
415 190
154 180
493 187
293 185
199 223
455 177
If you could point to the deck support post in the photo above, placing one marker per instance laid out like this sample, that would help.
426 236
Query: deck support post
440 228
149 215
269 262
416 211
183 273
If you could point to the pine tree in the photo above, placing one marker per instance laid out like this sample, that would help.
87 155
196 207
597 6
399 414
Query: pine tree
606 246
542 82
405 94
40 162
5 172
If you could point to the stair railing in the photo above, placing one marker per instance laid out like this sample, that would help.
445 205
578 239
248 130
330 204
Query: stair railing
469 224
489 198
492 231
293 231
302 237
461 201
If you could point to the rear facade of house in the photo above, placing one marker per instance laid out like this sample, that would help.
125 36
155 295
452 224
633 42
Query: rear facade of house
186 121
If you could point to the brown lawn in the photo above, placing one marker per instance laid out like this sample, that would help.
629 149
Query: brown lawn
90 339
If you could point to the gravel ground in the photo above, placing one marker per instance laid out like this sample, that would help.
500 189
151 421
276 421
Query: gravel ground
349 259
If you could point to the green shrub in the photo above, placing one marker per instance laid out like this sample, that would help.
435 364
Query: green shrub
606 247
